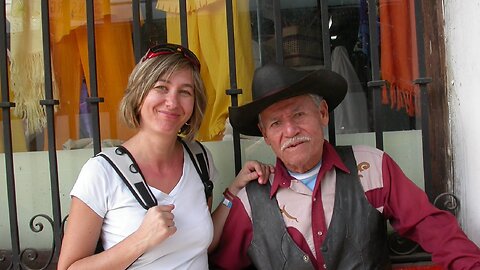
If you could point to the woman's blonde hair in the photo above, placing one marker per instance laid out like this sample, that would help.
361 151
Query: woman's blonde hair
144 77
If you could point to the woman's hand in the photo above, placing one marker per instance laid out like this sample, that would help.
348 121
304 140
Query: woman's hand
252 170
83 231
157 225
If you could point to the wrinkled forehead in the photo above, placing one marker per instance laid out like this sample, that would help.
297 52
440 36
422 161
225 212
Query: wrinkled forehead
285 108
289 104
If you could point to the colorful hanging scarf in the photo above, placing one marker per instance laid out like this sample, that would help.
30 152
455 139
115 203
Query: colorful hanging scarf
399 65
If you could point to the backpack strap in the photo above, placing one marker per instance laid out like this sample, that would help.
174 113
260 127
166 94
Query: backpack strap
199 158
124 164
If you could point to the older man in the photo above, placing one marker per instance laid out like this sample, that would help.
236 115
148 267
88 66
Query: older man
325 206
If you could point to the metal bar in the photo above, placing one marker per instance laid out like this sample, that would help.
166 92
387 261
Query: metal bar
259 32
137 39
327 62
277 23
183 22
375 65
233 91
92 64
148 19
52 153
422 82
7 142
327 59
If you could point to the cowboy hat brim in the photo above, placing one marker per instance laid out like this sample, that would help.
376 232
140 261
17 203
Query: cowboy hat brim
327 84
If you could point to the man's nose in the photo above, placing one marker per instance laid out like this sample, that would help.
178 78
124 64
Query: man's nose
291 129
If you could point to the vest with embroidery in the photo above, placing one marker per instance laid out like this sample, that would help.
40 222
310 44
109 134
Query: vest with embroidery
356 237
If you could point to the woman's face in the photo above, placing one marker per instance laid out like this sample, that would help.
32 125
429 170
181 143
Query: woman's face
169 104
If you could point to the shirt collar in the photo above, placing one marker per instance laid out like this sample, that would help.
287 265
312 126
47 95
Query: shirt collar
330 159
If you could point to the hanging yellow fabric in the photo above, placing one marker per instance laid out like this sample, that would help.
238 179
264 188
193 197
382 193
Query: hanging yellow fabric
114 59
18 138
26 64
207 38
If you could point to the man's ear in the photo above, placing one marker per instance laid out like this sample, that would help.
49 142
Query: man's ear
265 137
324 115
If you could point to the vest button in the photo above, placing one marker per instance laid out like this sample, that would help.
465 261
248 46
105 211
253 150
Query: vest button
305 258
324 266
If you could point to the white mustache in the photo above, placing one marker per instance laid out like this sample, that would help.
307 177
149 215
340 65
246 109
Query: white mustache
294 140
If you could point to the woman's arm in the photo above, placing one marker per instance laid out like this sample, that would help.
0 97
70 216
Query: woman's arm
252 170
83 231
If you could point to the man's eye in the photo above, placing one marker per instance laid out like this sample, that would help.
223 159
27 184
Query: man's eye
298 114
275 124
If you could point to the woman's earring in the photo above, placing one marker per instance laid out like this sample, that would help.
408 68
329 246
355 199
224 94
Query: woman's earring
184 127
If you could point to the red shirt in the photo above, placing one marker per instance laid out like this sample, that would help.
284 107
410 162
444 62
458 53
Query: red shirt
307 213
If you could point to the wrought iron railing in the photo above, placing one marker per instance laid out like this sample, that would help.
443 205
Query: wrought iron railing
29 258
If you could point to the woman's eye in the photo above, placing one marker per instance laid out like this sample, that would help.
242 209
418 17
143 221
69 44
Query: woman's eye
161 89
186 93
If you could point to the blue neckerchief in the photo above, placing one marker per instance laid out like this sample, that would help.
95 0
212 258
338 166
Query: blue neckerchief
309 178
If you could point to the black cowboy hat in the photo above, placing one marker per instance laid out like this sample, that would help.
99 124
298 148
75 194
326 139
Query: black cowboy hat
274 82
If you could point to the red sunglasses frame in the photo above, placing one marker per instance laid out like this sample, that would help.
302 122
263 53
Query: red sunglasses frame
168 48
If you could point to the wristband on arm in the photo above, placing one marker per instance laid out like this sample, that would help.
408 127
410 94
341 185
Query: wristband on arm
228 198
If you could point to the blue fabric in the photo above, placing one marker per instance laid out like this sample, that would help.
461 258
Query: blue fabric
309 178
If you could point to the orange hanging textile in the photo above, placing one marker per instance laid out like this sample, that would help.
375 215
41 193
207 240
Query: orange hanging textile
114 59
207 38
399 61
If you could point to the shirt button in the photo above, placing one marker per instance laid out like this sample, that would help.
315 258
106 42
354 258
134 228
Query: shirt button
305 258
314 199
320 233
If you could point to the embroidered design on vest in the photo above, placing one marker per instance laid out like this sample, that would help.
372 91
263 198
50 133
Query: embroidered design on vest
284 211
362 166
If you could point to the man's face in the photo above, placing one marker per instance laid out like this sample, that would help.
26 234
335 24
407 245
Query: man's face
294 130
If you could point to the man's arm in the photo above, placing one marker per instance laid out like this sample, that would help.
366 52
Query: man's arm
413 216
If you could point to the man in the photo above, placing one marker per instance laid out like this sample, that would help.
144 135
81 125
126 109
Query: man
325 207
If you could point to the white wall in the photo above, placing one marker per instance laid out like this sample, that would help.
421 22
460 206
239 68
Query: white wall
463 72
32 178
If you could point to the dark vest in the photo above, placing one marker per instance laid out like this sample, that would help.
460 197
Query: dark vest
272 248
356 237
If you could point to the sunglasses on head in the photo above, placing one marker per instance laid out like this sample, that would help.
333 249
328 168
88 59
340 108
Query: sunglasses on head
166 49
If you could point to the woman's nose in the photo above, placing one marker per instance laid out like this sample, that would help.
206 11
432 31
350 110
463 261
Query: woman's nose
172 99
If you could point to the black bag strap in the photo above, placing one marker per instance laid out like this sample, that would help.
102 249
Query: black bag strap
124 164
199 158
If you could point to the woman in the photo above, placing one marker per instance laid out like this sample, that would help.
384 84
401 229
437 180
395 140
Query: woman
165 96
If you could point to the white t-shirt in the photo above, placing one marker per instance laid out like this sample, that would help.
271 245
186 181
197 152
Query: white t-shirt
100 187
